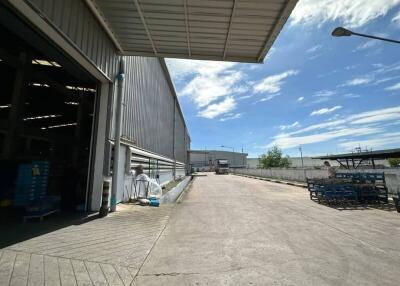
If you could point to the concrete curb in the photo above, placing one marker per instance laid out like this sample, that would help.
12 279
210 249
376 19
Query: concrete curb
296 184
174 194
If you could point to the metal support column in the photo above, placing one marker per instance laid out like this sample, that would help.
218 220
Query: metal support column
117 139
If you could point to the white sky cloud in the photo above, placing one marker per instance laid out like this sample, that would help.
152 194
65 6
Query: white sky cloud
273 83
358 81
350 13
181 69
202 77
396 18
207 82
203 89
301 98
353 125
375 142
325 110
217 109
231 116
324 93
314 49
285 141
394 87
290 126
366 45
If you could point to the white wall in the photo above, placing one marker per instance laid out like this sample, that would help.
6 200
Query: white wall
392 176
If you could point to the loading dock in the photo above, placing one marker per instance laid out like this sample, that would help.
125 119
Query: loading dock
47 110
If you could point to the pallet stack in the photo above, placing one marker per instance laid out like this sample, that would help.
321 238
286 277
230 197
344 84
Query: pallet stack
31 182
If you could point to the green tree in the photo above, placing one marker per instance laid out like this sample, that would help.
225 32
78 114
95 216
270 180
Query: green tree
394 162
274 158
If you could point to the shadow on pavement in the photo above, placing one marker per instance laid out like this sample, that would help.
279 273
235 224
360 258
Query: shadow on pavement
13 230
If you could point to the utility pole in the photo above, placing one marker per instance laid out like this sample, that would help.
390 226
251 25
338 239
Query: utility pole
302 162
205 157
301 155
242 158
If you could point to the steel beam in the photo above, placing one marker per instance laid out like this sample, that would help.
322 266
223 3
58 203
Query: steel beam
93 7
137 5
283 16
229 29
187 27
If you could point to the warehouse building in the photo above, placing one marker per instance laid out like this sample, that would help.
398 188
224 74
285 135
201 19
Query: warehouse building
56 116
81 103
205 160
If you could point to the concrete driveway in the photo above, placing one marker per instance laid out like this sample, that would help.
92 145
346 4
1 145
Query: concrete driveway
228 230
232 230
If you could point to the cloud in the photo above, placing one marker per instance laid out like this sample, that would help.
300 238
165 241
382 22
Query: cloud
181 69
396 18
394 87
287 141
301 98
358 81
199 78
384 140
314 49
350 13
376 116
386 79
324 93
290 126
206 88
231 116
381 74
366 45
351 95
273 84
268 97
216 109
346 127
325 110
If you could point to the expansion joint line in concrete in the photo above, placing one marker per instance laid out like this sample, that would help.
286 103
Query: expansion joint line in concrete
152 247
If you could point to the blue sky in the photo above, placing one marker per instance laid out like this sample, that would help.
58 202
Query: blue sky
326 94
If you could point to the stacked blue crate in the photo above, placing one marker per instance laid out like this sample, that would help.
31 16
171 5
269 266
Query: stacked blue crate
31 183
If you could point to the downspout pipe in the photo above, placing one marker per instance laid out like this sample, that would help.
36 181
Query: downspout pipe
117 135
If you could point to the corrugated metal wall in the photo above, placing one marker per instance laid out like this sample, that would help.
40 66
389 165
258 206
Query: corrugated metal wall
149 101
180 138
75 20
149 109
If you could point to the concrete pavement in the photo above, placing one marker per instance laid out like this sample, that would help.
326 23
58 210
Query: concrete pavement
107 251
232 230
228 230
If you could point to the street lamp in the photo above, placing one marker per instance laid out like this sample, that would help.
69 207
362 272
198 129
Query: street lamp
233 151
342 32
301 154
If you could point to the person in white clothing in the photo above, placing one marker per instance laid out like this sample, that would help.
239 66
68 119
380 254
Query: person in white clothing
145 186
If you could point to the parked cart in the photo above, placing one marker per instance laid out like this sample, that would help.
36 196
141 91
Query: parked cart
349 188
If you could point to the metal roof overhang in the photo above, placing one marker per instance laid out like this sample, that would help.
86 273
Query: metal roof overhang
225 30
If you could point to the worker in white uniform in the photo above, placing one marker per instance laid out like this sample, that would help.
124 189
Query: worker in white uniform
145 186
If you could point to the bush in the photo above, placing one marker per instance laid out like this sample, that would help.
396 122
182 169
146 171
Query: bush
394 162
274 159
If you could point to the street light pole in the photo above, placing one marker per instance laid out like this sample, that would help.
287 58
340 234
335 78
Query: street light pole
342 32
302 163
301 154
233 151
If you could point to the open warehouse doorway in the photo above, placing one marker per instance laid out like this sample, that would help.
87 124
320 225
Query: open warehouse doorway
47 110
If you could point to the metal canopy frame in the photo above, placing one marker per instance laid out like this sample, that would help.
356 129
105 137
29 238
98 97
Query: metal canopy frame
358 158
229 30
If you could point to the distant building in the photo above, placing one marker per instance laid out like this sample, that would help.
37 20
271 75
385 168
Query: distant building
204 160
